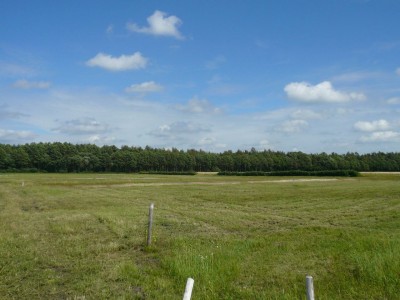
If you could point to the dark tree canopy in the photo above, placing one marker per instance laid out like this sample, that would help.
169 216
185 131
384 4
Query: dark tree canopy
66 157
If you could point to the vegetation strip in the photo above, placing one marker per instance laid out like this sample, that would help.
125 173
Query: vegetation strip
65 157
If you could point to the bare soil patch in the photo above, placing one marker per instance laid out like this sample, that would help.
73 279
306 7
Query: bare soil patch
217 183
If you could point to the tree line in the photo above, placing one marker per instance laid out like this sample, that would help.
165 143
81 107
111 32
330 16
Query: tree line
67 157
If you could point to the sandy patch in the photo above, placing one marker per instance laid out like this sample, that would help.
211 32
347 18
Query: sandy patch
395 173
175 183
215 183
293 180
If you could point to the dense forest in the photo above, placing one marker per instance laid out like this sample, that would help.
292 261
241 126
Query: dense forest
66 157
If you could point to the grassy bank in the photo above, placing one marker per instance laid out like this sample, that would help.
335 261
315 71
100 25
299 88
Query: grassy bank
81 236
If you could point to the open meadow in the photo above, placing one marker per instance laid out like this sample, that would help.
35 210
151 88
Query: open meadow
83 236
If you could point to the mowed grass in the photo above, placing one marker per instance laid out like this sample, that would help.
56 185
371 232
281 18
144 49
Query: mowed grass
82 236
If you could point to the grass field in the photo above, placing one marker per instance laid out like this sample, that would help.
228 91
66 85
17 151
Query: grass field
82 236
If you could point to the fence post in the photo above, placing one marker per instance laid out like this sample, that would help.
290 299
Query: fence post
188 289
150 224
310 287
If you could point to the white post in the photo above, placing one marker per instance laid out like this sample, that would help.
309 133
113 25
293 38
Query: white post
188 290
310 288
150 224
23 183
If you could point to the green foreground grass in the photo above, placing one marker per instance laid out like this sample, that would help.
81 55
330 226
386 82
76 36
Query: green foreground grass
82 236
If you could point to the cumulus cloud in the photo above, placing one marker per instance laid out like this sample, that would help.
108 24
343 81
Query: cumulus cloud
293 126
25 84
210 142
320 93
196 105
305 114
382 136
206 141
82 126
7 135
379 131
379 125
159 23
264 144
135 119
102 140
393 100
176 129
124 62
144 87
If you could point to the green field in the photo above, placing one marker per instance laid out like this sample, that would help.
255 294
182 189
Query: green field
82 236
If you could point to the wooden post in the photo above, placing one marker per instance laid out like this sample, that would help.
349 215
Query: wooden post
310 288
150 224
188 289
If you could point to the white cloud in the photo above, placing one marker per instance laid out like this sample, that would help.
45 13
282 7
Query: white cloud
144 87
293 126
177 129
220 145
25 84
14 135
379 125
398 71
82 126
206 141
305 114
393 100
122 63
102 140
193 125
199 106
159 24
277 115
322 92
382 136
264 145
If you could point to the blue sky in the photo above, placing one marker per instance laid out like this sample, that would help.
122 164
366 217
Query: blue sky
296 75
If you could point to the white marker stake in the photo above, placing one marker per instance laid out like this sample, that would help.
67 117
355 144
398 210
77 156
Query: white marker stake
150 224
188 290
310 288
